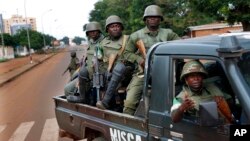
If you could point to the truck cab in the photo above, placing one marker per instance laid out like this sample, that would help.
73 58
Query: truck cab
226 58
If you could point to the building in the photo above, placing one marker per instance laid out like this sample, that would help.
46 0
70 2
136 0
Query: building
18 20
1 24
214 28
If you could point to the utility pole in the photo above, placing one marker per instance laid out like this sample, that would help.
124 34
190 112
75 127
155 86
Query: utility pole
44 43
28 36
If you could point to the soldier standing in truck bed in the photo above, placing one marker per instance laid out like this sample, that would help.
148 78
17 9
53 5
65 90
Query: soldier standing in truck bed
113 46
149 35
94 34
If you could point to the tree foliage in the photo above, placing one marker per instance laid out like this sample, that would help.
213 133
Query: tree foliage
233 11
8 40
35 38
177 14
65 40
78 40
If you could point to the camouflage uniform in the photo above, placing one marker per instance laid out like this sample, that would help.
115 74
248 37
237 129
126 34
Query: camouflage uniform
208 92
109 47
134 90
74 64
71 87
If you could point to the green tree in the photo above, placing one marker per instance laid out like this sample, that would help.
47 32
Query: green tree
230 10
36 39
8 40
49 39
178 14
105 8
78 40
65 40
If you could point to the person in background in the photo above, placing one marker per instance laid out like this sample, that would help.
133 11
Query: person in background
143 39
73 65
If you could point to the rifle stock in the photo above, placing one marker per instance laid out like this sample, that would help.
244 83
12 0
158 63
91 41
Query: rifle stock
112 59
141 47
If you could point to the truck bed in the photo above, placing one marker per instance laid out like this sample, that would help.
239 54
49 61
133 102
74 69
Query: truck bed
80 119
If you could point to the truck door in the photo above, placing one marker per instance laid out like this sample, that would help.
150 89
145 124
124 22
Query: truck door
190 127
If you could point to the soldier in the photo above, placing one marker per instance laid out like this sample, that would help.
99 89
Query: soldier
146 37
113 46
196 91
73 65
94 34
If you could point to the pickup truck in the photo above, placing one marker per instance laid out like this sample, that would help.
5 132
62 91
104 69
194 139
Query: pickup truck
226 57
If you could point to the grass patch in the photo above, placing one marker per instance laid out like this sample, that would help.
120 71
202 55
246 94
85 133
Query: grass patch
3 60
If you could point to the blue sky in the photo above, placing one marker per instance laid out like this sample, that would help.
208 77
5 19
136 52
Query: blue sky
60 17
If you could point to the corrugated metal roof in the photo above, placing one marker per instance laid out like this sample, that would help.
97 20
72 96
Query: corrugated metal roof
212 26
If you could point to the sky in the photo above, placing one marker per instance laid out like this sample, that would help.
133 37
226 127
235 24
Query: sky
58 18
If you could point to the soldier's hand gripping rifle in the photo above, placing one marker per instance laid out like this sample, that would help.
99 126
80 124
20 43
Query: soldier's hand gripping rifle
84 57
97 76
65 71
141 47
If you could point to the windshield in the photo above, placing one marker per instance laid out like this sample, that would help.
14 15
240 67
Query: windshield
244 65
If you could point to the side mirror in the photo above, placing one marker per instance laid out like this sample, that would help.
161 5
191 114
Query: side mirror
208 114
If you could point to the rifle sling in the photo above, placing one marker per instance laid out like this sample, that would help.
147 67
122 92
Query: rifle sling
125 37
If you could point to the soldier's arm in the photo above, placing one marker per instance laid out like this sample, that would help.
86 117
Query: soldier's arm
129 52
173 36
180 106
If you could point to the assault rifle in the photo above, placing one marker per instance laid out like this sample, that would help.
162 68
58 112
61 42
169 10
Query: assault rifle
84 57
98 80
65 71
141 47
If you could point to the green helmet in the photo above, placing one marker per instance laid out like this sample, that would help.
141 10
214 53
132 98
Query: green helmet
113 19
73 54
92 26
191 67
152 10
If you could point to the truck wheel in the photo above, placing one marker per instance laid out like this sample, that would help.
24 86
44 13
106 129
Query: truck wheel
99 139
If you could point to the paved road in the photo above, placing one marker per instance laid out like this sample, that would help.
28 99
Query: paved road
26 105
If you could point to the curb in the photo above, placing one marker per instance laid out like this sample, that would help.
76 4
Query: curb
21 70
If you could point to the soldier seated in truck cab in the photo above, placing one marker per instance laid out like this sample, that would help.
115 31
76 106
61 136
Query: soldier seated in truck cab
195 91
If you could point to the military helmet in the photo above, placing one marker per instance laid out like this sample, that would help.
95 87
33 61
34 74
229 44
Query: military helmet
152 10
92 26
191 67
113 19
73 54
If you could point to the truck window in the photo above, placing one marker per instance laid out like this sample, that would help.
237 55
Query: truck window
215 78
244 65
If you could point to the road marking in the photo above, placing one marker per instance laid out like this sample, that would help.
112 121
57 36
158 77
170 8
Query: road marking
50 130
22 131
2 127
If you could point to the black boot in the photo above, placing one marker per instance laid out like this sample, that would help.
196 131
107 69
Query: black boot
117 74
